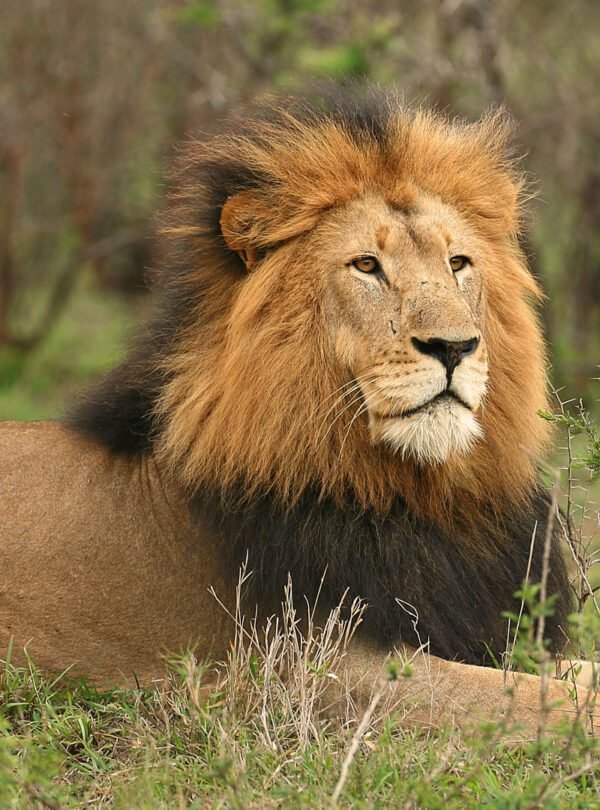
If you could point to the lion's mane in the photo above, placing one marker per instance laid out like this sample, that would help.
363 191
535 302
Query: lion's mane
228 384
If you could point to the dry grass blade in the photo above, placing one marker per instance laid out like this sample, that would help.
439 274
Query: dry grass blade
280 671
355 742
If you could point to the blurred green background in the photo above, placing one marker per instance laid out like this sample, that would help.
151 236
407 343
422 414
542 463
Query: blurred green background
95 95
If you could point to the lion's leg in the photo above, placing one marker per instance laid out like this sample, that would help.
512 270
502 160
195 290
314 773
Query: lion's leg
430 692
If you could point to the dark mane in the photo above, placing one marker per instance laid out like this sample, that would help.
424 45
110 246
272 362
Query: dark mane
454 598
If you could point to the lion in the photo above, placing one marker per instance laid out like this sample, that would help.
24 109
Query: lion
340 385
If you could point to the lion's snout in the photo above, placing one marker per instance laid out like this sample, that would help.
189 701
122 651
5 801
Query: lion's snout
450 353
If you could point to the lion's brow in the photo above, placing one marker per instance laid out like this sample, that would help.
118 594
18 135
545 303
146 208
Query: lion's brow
381 235
417 240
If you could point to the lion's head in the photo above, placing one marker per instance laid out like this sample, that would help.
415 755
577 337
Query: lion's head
401 299
348 309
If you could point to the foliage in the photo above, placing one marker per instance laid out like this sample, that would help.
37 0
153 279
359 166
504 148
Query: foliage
95 95
86 341
580 425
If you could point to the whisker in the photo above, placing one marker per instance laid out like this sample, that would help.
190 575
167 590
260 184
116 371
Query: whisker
358 396
351 390
354 387
351 387
360 410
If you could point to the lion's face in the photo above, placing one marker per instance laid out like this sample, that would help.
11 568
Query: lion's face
404 304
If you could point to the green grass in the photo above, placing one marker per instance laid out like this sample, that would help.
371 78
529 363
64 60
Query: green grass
251 735
152 749
88 339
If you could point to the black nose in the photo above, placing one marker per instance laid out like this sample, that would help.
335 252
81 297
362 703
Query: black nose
448 352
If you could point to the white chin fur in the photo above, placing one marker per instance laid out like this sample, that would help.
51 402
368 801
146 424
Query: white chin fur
431 435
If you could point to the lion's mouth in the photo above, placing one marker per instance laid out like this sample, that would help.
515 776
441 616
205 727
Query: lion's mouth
430 405
443 426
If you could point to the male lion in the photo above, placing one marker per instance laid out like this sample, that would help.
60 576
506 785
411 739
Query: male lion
341 383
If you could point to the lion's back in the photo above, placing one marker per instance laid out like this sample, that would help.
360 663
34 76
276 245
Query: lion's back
86 538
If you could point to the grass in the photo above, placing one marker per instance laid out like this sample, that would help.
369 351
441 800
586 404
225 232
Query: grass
252 733
244 742
248 740
87 340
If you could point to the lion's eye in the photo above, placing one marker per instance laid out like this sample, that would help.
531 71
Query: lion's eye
458 263
367 264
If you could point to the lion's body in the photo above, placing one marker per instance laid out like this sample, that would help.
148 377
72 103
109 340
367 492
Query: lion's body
331 389
99 568
104 570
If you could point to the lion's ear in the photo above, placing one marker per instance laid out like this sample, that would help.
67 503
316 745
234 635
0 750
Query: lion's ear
236 223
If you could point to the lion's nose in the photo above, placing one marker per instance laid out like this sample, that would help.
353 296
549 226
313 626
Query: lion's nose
448 352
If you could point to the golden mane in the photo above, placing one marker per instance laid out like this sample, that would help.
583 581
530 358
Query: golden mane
245 381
